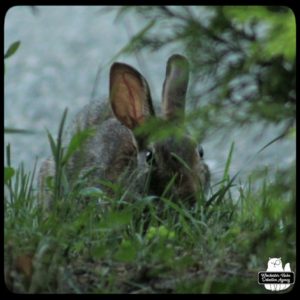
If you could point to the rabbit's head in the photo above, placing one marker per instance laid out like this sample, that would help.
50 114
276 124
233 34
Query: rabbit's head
174 161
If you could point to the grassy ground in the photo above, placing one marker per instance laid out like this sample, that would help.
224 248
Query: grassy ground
217 247
86 246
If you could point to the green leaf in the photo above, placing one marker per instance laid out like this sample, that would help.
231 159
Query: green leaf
161 232
59 142
292 133
8 174
50 182
91 192
12 49
246 13
8 155
228 162
79 246
18 131
99 251
282 37
127 251
115 220
52 143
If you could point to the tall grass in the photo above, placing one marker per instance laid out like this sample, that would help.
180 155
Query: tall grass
110 245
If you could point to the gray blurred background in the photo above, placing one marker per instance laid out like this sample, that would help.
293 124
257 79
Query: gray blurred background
62 50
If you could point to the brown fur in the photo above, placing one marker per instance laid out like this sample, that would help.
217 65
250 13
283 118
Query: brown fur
115 154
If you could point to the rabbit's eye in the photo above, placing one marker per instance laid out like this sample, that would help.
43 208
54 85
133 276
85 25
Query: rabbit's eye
201 151
149 156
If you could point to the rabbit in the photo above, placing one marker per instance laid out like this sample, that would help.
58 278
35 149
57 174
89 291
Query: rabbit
115 153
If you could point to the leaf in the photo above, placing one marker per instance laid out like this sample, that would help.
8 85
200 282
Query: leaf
8 174
228 162
99 251
50 182
8 156
52 143
115 220
91 192
127 252
292 133
246 13
18 131
161 232
59 142
282 37
12 49
79 246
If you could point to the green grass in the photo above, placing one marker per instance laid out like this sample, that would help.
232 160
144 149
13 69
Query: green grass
83 246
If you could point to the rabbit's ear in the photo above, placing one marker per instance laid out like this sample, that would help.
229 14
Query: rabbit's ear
129 95
175 86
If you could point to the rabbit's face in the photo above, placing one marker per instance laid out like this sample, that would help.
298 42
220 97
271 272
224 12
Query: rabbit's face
175 163
180 163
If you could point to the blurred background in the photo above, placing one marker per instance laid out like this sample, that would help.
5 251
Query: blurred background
242 79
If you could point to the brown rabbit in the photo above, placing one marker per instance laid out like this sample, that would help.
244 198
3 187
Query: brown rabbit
115 153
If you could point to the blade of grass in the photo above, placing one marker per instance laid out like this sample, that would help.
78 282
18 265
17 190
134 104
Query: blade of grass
218 196
228 162
181 161
61 129
169 186
279 137
52 143
9 183
29 189
57 153
184 213
58 156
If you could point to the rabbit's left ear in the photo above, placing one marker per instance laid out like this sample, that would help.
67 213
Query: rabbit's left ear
175 86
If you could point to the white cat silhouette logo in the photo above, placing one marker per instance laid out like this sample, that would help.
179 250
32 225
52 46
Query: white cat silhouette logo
275 266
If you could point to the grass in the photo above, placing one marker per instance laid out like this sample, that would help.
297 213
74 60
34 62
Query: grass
82 246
